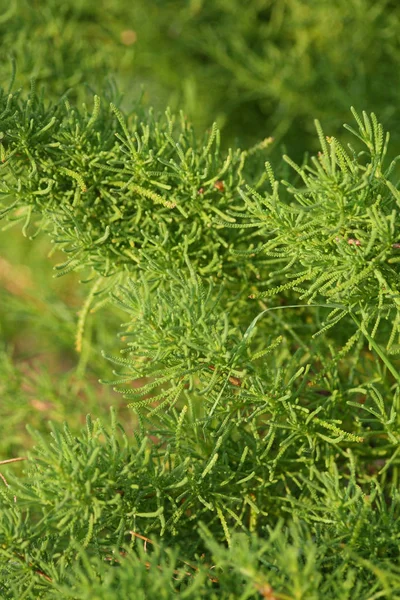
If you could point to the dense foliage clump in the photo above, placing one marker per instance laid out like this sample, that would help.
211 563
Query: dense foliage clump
252 448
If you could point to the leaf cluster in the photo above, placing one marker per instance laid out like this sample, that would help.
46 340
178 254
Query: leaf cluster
261 463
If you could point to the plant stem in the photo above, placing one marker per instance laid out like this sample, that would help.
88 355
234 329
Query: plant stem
377 349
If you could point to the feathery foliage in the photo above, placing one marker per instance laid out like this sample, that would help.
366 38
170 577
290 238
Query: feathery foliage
253 445
233 429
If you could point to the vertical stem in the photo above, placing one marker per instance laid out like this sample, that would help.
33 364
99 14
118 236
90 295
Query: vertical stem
83 313
377 349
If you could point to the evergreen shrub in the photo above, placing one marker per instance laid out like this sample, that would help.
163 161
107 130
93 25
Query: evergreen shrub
259 300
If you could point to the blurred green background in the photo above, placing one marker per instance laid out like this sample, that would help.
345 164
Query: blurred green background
259 68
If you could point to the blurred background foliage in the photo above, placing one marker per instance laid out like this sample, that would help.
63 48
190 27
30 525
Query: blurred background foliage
259 68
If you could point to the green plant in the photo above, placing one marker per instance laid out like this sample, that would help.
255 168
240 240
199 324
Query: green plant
267 66
242 297
253 445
